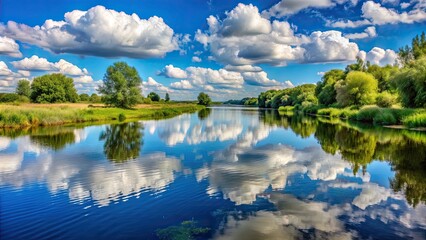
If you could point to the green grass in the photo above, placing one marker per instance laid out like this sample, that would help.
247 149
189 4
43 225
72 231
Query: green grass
415 120
33 115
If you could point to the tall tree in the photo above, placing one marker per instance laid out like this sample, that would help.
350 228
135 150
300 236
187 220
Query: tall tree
359 88
23 88
167 97
204 99
121 86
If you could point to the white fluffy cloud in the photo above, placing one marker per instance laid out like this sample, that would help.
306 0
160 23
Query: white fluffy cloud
9 47
182 85
153 86
173 72
329 46
379 56
380 15
8 78
99 32
271 42
36 63
369 32
348 23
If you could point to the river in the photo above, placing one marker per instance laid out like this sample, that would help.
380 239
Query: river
222 173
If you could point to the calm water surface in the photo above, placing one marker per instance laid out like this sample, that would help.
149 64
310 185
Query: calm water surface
220 173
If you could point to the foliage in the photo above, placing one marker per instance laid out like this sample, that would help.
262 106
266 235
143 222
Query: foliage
417 50
383 76
386 99
245 101
122 141
94 98
167 97
154 97
187 230
358 88
84 97
411 84
53 88
415 120
23 88
121 86
325 90
303 95
204 99
13 98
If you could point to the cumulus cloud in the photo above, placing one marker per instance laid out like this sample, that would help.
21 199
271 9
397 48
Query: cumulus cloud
271 42
379 56
9 47
153 86
170 71
369 32
36 63
347 23
8 78
182 85
99 32
243 68
329 46
380 15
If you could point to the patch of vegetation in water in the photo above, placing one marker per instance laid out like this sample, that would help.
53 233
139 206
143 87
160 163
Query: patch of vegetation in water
185 231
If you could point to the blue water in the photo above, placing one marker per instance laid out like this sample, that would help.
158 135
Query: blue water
236 173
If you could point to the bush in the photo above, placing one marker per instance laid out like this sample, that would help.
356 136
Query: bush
366 114
415 120
385 99
121 117
386 117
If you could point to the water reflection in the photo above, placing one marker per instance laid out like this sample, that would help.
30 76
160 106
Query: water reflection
271 176
122 141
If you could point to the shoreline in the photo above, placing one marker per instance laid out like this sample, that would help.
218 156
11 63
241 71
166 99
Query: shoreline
39 115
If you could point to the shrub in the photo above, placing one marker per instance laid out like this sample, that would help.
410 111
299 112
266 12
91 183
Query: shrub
415 120
121 117
385 99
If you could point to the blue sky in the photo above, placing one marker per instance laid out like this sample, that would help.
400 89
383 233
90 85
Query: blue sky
229 49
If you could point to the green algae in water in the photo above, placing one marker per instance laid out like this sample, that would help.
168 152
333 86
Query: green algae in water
185 231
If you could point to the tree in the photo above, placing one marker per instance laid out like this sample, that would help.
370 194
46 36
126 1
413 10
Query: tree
84 97
167 97
121 86
154 97
204 99
358 88
94 98
325 90
53 88
411 84
417 50
23 88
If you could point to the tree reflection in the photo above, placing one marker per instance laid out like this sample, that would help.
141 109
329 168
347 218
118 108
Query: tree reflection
204 113
361 144
54 141
122 141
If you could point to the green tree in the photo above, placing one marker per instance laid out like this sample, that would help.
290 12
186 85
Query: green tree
358 88
23 88
84 97
94 98
204 99
121 86
325 90
411 84
358 66
53 88
417 50
154 97
167 97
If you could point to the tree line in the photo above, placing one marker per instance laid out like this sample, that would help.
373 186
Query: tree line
362 83
121 87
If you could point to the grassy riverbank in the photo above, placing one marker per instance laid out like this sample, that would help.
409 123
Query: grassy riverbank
412 118
25 115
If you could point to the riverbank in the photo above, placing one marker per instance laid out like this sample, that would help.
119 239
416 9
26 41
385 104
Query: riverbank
26 115
406 117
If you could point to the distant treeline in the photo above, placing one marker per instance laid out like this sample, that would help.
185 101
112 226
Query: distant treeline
245 101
